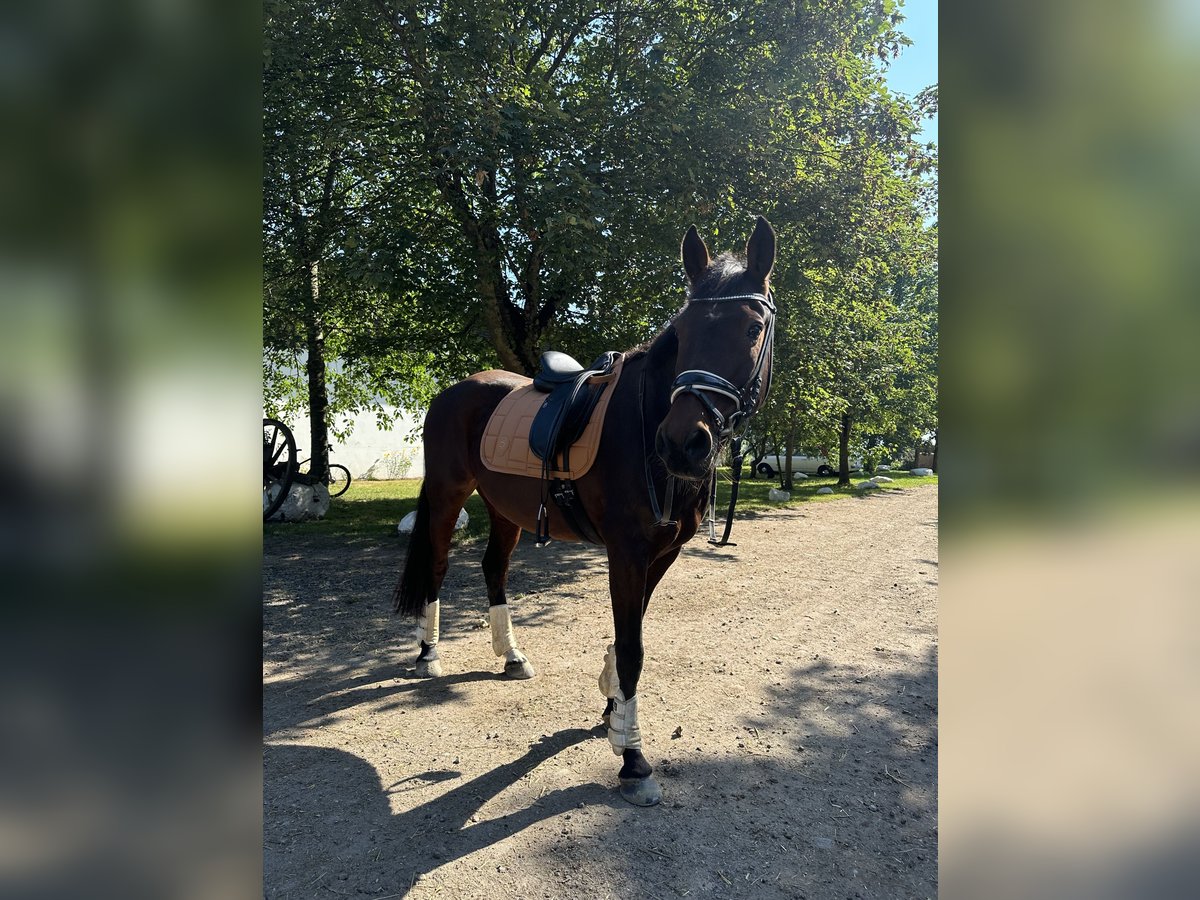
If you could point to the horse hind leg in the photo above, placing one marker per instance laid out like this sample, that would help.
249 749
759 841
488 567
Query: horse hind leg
501 543
426 566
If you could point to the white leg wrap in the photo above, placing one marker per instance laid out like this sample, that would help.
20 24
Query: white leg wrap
609 686
504 642
428 623
623 730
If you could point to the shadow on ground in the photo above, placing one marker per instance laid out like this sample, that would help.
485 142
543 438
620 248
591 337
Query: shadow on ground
828 789
345 816
831 793
328 613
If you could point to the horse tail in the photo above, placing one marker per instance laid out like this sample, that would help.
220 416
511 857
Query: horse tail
415 588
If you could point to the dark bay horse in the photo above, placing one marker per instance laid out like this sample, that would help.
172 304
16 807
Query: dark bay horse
678 401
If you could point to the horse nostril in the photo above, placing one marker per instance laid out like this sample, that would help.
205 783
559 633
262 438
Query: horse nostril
660 444
698 445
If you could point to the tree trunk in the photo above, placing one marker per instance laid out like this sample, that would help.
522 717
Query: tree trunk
484 233
318 395
936 444
917 453
758 452
844 451
774 445
786 483
493 316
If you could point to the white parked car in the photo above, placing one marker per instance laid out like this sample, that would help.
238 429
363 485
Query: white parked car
804 465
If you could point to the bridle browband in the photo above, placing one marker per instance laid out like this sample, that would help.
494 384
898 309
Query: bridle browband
700 382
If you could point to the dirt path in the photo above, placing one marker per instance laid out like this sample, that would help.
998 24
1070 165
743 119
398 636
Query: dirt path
798 668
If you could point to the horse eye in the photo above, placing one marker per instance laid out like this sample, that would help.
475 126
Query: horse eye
755 331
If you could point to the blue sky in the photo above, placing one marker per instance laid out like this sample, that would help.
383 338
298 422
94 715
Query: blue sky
917 66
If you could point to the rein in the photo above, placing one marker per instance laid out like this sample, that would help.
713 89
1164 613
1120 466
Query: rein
699 383
661 517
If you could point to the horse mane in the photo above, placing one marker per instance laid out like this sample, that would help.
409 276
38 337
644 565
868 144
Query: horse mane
656 344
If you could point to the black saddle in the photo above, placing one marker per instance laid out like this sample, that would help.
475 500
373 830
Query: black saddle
557 425
568 405
557 368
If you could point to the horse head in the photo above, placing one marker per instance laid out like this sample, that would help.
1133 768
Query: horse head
723 357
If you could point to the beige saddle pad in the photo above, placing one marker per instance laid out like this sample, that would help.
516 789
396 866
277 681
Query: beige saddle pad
505 446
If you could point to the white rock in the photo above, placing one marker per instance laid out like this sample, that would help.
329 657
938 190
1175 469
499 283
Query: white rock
920 471
881 479
777 496
304 501
799 475
825 490
407 523
866 485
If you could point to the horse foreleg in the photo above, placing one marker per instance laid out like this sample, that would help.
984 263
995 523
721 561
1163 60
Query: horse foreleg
627 582
501 543
608 677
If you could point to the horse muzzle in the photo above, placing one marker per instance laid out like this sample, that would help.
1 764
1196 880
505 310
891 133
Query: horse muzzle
693 459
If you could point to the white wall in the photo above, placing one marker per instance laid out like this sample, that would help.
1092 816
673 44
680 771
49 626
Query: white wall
369 452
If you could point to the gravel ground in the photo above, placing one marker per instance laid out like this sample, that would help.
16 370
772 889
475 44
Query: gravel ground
789 707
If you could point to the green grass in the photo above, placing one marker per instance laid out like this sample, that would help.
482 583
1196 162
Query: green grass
752 494
374 508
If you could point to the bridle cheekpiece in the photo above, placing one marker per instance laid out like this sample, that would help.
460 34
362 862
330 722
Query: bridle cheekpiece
700 382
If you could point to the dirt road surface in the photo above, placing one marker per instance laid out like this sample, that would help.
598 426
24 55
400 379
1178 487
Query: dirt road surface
788 705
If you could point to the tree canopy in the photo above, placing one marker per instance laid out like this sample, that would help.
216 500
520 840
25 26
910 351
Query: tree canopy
451 186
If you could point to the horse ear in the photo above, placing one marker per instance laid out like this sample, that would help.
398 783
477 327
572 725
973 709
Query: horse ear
760 251
695 255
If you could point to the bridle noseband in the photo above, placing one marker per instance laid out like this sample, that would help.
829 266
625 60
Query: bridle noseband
701 382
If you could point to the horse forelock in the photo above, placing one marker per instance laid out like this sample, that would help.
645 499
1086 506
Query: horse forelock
722 274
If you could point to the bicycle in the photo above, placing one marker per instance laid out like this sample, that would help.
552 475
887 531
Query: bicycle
338 480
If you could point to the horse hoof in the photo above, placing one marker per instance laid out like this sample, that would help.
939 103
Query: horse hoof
428 668
520 670
641 791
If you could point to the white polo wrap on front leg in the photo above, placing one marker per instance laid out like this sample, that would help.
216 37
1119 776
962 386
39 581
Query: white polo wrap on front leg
428 623
623 730
504 642
609 685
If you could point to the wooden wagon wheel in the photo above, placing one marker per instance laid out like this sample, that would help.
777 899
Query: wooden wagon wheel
279 465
